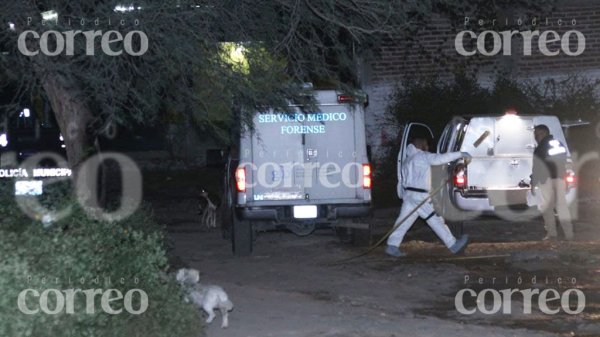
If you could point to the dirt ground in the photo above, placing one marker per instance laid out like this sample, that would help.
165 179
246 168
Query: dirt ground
291 286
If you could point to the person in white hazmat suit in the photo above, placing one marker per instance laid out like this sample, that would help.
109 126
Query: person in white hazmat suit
414 185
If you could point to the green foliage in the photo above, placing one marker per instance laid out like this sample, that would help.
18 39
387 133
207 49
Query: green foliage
77 247
434 101
183 70
571 97
287 42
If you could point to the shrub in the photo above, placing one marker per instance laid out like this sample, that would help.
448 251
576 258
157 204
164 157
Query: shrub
78 247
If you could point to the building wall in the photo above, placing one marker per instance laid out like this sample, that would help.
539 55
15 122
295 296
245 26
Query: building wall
431 52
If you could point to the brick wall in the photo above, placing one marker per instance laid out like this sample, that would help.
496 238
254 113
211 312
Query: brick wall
431 52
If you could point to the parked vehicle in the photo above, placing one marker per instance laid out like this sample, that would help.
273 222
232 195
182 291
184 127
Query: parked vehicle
498 176
299 170
23 135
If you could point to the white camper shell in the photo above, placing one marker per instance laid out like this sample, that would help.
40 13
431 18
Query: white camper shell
498 176
301 169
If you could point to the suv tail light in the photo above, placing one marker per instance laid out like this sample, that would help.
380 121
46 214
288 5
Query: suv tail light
570 178
240 179
367 176
460 176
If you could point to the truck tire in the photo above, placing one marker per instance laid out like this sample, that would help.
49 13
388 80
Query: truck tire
446 208
227 207
453 217
226 214
225 220
241 236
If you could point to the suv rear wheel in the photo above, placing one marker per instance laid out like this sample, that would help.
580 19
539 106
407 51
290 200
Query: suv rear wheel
453 217
226 211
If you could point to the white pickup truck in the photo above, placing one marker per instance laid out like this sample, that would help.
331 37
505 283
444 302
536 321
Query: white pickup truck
498 176
298 170
24 135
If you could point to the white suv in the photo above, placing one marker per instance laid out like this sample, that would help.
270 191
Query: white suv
498 176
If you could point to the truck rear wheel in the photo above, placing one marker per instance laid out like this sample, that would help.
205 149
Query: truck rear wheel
225 220
453 217
241 238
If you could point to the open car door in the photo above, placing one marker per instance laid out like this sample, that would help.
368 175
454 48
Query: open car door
410 131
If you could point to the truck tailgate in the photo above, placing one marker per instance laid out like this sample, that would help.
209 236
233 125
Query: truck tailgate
306 156
498 173
334 153
279 160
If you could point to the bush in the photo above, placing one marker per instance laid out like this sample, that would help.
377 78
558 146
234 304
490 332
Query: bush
101 253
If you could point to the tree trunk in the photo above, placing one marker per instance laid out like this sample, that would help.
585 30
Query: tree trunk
73 117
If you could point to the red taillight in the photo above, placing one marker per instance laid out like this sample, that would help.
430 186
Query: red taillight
240 179
367 176
345 99
570 179
460 181
460 177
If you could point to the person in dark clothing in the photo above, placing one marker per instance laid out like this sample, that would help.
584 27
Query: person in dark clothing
549 169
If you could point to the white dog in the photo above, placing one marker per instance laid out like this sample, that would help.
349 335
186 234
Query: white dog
207 210
208 298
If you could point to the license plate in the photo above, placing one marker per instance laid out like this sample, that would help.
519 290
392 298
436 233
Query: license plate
28 187
305 212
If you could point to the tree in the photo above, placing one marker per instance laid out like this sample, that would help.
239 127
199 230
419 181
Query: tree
284 42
